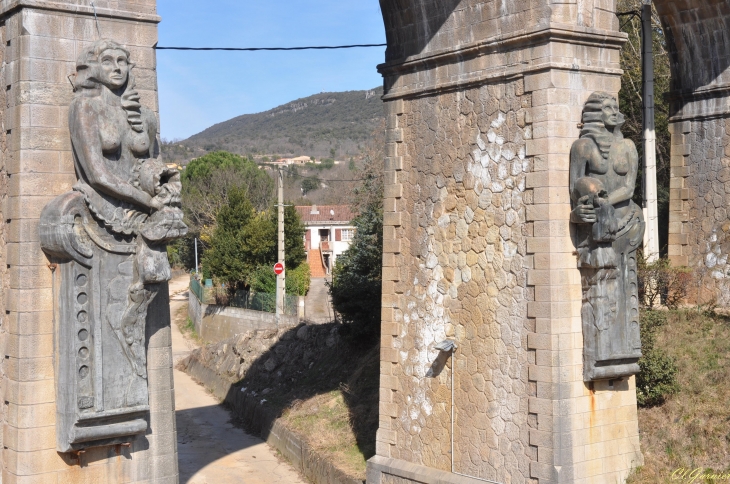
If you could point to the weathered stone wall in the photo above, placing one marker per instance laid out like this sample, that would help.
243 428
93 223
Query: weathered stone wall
462 233
41 42
699 224
699 228
5 328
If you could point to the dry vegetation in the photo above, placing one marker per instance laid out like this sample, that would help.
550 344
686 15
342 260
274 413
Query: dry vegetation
335 184
691 429
341 424
324 421
319 386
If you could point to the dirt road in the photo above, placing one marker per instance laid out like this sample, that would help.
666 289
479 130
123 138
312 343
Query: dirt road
318 308
211 450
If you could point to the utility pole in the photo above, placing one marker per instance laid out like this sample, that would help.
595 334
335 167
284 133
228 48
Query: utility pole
196 256
281 278
651 235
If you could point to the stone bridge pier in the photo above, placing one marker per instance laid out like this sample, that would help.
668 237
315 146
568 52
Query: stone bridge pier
483 101
699 224
40 42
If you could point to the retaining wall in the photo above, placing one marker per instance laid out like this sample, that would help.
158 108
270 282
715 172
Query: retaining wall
215 323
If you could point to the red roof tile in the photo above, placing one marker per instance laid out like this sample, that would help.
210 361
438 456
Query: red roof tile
324 213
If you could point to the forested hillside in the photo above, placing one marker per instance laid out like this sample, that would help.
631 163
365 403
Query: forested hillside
327 125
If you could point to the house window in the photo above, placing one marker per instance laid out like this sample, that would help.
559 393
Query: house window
348 234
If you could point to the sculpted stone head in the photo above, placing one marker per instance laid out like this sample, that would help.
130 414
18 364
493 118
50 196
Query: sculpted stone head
601 107
602 121
104 62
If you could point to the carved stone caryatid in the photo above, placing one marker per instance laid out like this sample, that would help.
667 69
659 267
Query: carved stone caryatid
109 235
609 227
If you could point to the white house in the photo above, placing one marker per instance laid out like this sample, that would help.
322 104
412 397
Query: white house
329 232
298 160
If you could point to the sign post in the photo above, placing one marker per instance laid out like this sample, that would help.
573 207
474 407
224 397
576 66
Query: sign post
280 277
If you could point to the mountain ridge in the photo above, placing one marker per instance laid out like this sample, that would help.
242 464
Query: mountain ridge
324 125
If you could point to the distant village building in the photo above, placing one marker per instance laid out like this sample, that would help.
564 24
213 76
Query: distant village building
329 233
298 160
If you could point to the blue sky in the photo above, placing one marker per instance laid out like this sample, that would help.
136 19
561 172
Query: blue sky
199 89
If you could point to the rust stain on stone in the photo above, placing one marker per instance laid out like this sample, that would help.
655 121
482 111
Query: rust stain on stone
592 395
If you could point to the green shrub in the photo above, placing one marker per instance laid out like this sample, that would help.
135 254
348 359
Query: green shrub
309 185
241 241
263 280
658 376
662 283
181 252
173 255
298 280
356 287
244 242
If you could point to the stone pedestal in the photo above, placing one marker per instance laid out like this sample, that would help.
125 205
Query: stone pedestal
483 100
41 41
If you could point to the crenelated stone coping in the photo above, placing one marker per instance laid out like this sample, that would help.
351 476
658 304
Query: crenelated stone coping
265 423
8 6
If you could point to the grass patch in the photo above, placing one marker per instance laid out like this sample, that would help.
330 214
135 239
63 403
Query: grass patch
325 421
189 326
340 424
691 429
185 324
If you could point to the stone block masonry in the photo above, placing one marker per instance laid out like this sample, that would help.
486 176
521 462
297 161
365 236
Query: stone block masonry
41 41
463 220
482 101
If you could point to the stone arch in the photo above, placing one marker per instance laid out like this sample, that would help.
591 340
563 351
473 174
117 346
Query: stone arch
410 25
699 225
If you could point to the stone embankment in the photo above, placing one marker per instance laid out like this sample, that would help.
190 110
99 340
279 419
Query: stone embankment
259 374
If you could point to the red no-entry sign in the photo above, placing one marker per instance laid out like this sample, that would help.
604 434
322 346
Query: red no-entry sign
278 268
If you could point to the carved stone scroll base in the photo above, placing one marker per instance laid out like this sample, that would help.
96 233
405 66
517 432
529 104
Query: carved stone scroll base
100 315
610 312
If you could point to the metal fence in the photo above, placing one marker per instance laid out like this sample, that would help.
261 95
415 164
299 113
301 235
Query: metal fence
261 301
197 289
254 301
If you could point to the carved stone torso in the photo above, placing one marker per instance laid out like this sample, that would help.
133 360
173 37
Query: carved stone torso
609 227
108 236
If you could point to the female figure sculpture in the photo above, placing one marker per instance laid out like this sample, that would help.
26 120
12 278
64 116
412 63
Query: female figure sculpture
110 235
609 227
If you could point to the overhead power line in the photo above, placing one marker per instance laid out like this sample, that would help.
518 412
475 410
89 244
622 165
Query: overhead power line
251 49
